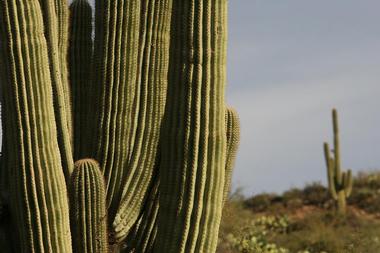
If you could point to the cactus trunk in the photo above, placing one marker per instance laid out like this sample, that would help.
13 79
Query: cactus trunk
193 139
341 203
39 206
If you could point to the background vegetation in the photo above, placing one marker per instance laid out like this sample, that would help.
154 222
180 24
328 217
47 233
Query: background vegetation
303 221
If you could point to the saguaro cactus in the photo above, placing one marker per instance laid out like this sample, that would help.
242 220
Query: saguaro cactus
144 98
340 182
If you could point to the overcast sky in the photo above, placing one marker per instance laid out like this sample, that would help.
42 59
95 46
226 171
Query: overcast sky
289 63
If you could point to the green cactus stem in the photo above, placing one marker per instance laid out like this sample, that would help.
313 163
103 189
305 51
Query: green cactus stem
62 14
233 139
152 89
39 207
80 59
130 71
340 183
115 75
59 83
88 208
192 172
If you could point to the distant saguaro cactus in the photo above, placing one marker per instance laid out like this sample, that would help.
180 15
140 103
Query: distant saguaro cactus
340 182
139 107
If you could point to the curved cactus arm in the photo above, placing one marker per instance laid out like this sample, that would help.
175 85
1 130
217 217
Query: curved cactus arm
142 236
80 59
40 214
330 165
233 139
115 76
192 170
60 85
88 208
153 87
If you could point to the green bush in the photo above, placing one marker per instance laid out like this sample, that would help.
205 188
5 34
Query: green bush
261 202
366 199
315 194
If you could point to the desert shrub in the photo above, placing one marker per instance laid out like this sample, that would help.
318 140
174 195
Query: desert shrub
367 180
366 199
293 198
255 238
261 202
315 194
291 194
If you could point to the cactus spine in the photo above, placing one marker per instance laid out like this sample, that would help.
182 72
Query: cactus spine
340 183
148 100
88 208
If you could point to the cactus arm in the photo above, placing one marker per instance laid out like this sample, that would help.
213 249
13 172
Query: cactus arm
336 147
62 103
218 37
151 109
62 14
142 235
233 138
330 164
40 207
88 208
193 156
80 58
117 26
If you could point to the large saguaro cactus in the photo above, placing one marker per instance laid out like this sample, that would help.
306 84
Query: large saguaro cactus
340 182
139 108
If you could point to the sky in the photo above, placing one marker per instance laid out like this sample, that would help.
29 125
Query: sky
289 63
